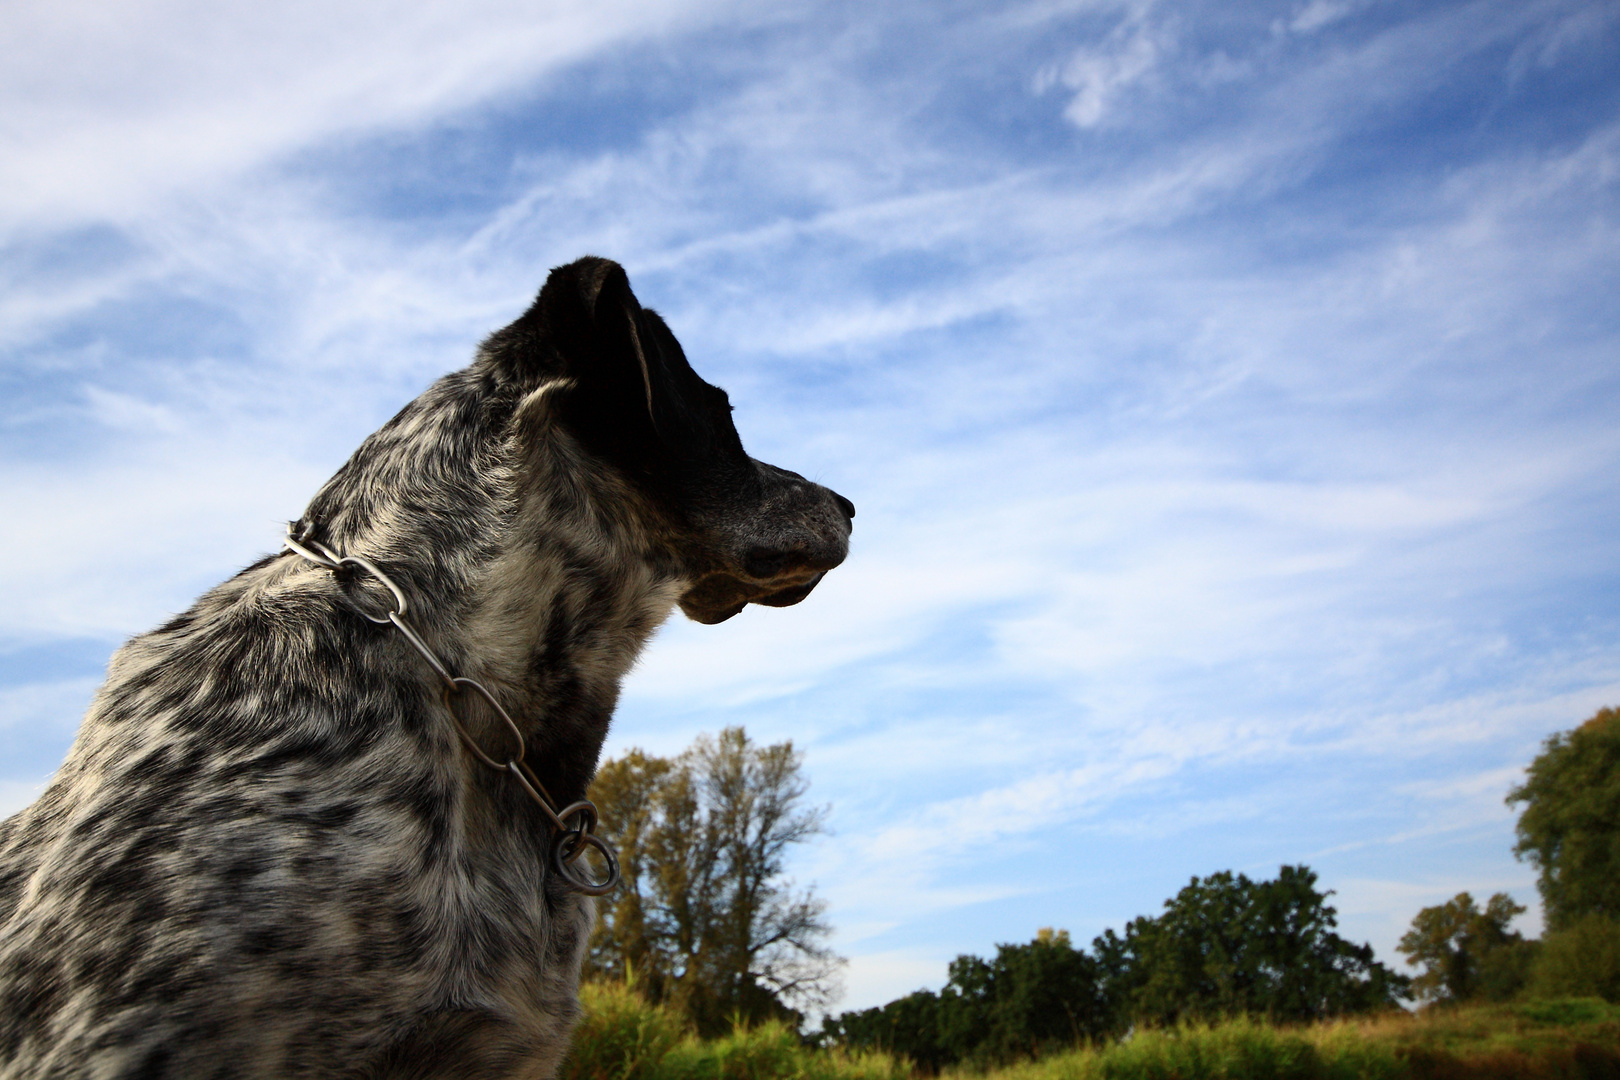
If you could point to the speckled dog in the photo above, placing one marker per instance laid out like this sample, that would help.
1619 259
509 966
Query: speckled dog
268 854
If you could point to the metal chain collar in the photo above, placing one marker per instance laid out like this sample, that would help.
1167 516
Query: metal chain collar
568 843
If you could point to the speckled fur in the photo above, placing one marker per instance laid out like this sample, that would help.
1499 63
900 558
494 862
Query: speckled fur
267 855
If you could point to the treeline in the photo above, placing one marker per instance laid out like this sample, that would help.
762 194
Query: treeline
707 927
1569 830
1224 946
1228 947
623 1037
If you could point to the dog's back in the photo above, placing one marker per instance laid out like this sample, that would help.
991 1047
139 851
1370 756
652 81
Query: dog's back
269 854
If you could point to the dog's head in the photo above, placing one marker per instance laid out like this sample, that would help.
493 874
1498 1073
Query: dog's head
744 532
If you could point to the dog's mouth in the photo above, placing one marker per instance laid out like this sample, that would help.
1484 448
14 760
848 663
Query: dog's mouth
718 597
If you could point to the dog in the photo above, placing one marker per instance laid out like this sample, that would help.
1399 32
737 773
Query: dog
275 848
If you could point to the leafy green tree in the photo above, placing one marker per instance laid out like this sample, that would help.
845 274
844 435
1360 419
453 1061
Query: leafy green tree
1460 947
1226 945
1505 973
1047 996
908 1026
1031 998
704 919
1570 826
1119 975
1581 960
965 1007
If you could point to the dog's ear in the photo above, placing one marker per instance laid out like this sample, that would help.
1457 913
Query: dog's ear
597 330
593 319
632 399
582 326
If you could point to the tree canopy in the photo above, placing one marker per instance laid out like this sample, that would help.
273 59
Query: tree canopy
1463 949
705 919
1570 826
1224 945
1027 999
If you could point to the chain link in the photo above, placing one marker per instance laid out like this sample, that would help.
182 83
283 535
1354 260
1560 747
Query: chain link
567 843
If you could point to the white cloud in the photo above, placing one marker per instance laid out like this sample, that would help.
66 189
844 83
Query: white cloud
107 108
37 723
1319 13
1100 75
54 706
114 548
884 976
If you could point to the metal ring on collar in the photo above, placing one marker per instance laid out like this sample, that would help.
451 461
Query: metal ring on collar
563 862
460 683
584 808
371 568
568 843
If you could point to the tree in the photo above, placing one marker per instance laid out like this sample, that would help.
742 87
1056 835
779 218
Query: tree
1031 998
1226 945
704 919
1581 960
1459 947
1570 826
907 1026
1046 995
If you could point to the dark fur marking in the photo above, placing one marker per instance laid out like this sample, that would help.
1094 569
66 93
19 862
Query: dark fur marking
180 623
424 801
30 998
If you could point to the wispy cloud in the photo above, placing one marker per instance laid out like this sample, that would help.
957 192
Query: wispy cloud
108 109
1227 400
1100 74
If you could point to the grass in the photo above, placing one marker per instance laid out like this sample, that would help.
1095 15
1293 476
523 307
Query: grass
625 1038
1577 1039
1247 1049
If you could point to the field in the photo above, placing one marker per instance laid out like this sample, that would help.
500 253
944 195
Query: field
1577 1038
623 1038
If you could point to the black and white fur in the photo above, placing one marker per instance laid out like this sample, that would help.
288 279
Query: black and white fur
267 854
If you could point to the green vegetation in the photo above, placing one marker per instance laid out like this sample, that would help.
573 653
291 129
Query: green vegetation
1574 1039
1570 826
1570 829
1225 946
1468 954
701 956
1581 959
1029 999
704 917
625 1038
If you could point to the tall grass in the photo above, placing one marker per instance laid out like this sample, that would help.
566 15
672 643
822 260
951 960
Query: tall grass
1558 1040
624 1038
1246 1049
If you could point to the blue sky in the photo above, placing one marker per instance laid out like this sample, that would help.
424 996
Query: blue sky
1228 391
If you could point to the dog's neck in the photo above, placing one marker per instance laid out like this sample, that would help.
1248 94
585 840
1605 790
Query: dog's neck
527 565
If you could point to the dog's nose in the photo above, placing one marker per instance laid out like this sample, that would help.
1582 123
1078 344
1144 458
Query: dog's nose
845 505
